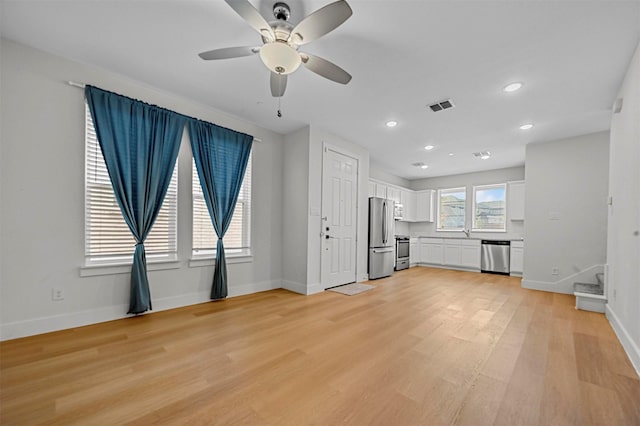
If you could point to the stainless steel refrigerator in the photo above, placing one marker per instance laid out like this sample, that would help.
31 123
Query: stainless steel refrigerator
381 237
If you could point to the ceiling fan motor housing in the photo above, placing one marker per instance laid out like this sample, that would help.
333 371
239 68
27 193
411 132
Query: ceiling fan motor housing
281 11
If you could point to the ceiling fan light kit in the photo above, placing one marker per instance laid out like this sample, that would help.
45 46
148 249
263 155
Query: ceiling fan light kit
280 58
281 41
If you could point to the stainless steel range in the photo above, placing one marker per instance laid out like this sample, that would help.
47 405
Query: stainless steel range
402 252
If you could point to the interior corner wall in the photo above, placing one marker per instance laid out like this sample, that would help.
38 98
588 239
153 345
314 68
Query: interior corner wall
295 210
623 244
376 172
42 201
318 139
565 211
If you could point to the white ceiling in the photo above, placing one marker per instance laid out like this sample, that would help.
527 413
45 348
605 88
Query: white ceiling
403 55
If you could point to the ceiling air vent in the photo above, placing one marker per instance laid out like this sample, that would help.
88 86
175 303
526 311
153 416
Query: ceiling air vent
484 155
439 106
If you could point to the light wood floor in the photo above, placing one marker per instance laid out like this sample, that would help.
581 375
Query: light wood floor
425 347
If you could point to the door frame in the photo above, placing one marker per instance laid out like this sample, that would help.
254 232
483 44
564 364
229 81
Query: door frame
325 148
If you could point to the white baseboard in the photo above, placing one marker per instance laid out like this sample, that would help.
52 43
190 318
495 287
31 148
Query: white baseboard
630 347
564 285
455 268
302 288
315 288
294 287
48 324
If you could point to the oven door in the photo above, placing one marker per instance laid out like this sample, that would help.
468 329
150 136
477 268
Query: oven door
402 249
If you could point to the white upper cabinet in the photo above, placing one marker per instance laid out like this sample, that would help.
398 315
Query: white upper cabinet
393 193
417 205
424 206
377 189
408 200
515 200
372 189
381 190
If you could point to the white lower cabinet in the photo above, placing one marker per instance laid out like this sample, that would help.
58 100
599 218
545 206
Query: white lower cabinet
452 253
470 254
457 253
414 252
517 258
431 251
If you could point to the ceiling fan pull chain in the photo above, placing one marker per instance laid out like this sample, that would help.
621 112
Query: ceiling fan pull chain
279 112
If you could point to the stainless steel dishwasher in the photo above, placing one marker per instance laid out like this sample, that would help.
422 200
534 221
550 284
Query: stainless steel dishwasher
495 257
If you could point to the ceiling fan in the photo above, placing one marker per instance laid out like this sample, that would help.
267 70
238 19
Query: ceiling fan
281 41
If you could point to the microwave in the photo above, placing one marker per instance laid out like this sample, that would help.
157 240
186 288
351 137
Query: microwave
398 211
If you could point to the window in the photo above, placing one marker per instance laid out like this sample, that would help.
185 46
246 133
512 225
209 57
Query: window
451 209
107 236
237 240
489 208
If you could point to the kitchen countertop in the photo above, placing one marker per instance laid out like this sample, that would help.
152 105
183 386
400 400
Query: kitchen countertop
468 238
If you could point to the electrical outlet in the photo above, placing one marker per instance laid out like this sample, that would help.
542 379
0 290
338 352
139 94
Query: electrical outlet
57 294
555 271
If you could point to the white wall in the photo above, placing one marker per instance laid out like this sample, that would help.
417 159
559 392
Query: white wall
623 245
375 172
515 230
565 211
303 207
295 210
42 201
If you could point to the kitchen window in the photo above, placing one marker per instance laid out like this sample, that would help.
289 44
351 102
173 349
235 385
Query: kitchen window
451 209
489 208
237 240
108 240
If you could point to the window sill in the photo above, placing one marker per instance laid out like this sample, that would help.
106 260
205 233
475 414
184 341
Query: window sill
125 268
489 230
198 262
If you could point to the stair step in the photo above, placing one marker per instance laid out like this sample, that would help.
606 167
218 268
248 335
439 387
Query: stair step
589 288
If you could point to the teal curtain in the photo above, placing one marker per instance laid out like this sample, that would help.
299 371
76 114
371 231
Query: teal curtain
221 157
140 145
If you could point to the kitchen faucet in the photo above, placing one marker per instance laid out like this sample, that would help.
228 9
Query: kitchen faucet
466 232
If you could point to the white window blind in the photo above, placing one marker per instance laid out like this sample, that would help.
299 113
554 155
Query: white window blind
489 208
451 209
107 236
237 240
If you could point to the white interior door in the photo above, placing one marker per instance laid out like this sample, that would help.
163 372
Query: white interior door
339 213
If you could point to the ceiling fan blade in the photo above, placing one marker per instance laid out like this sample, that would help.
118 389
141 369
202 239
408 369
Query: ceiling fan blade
229 52
278 84
250 14
325 68
321 22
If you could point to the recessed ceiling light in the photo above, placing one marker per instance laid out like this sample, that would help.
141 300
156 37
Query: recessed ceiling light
424 166
485 156
429 147
451 154
526 126
391 123
512 87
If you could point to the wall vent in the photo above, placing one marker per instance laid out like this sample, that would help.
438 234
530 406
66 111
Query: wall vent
442 105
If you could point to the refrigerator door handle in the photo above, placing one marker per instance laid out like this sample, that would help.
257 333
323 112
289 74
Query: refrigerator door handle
382 250
384 222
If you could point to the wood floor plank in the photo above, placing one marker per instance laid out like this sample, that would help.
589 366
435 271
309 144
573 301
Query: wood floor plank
426 346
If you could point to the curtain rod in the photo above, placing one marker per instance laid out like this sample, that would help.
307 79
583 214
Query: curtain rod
82 86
